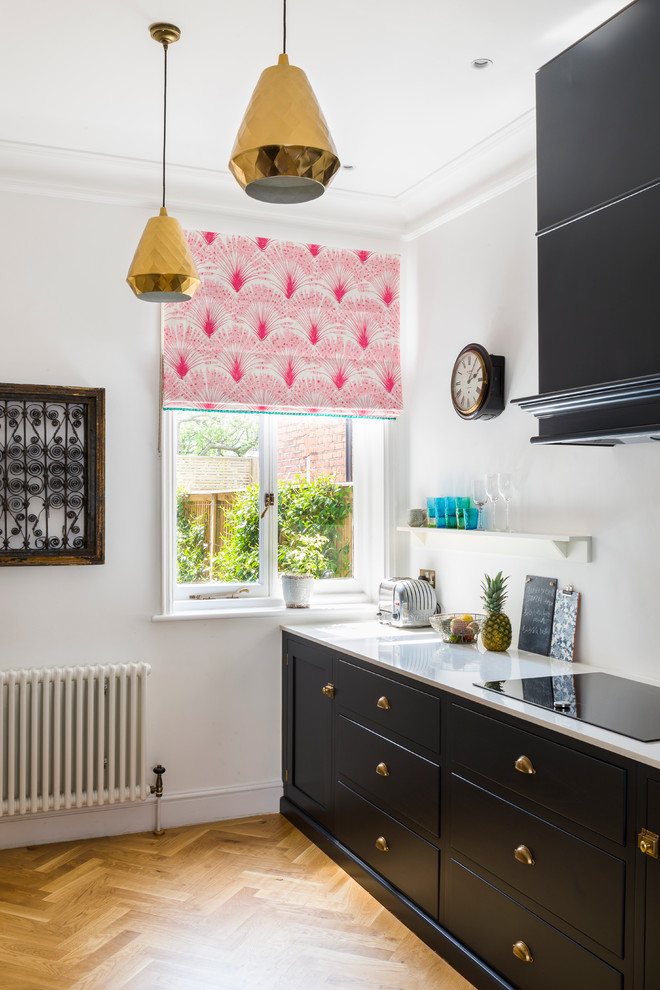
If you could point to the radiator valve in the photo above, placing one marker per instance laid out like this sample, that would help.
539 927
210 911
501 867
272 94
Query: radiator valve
157 788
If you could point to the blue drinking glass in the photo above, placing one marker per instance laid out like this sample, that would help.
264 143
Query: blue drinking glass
462 503
470 517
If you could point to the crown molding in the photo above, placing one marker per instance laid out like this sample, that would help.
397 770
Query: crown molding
486 170
112 179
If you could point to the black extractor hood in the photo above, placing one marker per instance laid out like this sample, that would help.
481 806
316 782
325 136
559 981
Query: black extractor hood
598 176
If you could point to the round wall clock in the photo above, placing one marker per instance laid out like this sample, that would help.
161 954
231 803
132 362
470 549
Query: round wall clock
477 383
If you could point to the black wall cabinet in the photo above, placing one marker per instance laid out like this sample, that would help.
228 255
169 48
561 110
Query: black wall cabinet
598 183
597 108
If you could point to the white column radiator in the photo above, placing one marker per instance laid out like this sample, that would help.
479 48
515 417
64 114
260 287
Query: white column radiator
72 737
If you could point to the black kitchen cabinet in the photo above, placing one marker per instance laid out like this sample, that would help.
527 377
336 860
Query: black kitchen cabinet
651 882
600 272
598 185
512 850
308 727
586 790
527 952
388 847
387 779
597 137
572 879
537 840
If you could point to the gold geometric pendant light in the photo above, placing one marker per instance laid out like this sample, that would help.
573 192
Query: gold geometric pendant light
163 269
283 151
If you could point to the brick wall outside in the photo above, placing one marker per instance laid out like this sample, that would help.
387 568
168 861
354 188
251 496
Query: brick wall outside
312 447
196 473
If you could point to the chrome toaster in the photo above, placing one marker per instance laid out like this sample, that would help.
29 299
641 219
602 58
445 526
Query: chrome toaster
406 602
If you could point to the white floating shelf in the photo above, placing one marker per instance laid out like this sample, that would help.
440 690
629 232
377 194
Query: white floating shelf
548 545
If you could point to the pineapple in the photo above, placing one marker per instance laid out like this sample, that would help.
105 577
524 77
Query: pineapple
496 629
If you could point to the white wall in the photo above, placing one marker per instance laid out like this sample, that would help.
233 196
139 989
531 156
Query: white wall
476 281
68 318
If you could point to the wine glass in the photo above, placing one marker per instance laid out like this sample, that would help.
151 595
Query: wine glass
505 488
493 493
479 498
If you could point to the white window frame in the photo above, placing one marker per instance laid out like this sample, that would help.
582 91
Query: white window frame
370 513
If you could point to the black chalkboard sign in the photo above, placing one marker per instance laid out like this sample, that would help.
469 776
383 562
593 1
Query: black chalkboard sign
537 612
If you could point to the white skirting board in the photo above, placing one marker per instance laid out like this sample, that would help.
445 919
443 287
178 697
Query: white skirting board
191 808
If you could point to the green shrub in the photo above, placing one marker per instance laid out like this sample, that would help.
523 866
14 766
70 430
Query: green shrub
310 508
305 554
238 559
310 518
192 551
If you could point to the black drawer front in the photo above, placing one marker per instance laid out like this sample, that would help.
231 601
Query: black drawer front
574 880
583 789
404 783
411 713
491 924
410 863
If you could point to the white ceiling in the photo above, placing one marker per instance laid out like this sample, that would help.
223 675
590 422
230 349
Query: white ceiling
394 79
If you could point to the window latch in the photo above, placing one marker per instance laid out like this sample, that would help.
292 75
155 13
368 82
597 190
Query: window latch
219 594
269 501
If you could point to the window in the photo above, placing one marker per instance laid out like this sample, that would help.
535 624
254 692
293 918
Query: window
285 333
247 496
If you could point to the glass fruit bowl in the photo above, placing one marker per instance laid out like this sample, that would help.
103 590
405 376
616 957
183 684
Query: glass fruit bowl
458 627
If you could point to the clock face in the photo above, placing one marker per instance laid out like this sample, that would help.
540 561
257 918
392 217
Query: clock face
469 382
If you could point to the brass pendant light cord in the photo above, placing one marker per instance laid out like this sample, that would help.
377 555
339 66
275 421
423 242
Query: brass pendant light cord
165 46
284 29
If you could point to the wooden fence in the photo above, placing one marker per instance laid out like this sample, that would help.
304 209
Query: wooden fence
211 508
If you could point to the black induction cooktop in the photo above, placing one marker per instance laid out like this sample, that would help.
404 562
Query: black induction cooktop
610 702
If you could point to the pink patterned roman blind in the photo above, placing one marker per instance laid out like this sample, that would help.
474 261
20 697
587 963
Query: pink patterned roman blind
283 327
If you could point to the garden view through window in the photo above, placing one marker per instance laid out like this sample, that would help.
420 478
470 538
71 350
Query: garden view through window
224 466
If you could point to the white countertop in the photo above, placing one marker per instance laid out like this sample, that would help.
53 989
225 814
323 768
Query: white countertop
422 655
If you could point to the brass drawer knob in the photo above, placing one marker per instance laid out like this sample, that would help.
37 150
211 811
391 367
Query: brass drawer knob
381 844
524 765
521 951
523 855
329 690
383 703
383 770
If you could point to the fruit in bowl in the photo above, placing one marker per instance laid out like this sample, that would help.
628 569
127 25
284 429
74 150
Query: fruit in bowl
457 627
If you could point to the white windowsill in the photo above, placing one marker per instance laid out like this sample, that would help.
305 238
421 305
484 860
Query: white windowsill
317 610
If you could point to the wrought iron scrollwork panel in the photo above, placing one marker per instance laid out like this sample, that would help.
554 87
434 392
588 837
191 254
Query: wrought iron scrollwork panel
51 475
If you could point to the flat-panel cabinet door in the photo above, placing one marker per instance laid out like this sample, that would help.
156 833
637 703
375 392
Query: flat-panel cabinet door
600 271
596 108
652 931
309 709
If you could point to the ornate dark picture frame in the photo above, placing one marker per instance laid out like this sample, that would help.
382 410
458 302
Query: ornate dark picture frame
52 475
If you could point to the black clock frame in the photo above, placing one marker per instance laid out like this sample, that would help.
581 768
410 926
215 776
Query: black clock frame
492 402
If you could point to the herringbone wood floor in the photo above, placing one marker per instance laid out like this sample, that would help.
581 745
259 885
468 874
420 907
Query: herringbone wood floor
234 905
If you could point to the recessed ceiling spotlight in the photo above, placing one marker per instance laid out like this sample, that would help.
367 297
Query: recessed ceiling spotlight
481 63
349 168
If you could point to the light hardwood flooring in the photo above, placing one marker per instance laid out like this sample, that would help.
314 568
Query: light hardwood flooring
234 905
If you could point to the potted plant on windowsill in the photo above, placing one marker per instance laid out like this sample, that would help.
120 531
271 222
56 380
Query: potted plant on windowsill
301 562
